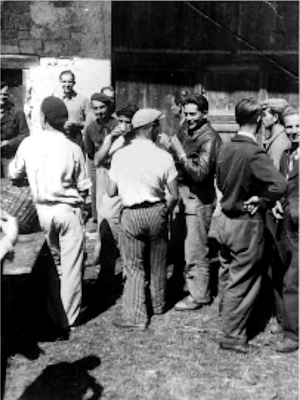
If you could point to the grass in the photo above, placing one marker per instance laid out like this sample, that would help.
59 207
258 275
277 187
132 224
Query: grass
178 358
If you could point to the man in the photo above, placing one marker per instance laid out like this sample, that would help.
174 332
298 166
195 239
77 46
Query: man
78 107
95 134
55 168
14 128
287 214
195 149
276 140
249 183
140 173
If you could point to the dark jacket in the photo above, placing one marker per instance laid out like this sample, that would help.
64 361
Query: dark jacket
198 172
14 128
244 170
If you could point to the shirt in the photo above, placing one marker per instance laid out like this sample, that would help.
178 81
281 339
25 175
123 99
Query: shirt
244 170
141 171
78 106
55 168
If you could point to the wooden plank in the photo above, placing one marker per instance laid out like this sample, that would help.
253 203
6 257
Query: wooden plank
26 252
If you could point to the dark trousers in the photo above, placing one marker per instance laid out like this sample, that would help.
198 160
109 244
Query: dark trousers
144 244
242 243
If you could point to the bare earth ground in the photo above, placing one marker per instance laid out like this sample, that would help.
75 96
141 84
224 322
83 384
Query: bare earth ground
176 359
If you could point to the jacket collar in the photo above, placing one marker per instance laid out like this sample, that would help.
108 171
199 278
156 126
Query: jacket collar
239 137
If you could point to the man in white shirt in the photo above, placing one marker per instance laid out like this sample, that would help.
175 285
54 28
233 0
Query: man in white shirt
140 174
55 168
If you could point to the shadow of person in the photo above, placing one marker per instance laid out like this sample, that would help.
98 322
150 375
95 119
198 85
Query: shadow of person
66 381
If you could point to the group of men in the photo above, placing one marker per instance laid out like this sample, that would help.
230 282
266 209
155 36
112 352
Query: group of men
152 189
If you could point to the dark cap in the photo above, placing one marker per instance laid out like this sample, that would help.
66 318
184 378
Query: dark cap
101 97
55 111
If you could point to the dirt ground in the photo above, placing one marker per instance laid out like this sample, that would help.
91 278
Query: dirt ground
177 358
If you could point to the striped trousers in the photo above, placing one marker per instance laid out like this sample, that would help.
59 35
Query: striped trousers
144 233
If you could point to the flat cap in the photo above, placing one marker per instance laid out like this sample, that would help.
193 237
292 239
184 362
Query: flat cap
276 104
145 116
101 97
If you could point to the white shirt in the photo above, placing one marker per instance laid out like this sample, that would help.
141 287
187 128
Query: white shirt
141 171
54 165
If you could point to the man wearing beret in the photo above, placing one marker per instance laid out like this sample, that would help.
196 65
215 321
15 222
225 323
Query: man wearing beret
55 168
140 174
95 134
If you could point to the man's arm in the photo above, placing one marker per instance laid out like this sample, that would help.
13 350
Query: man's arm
89 145
174 195
274 185
17 167
198 167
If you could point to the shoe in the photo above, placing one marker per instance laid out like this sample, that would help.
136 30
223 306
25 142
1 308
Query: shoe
238 348
188 304
125 324
287 346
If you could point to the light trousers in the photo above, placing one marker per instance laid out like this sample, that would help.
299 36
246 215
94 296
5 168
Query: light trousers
63 229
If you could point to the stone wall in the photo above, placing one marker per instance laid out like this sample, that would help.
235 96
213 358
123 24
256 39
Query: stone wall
59 35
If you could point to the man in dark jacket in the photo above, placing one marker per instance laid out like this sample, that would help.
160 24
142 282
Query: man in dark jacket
249 183
14 129
287 213
195 148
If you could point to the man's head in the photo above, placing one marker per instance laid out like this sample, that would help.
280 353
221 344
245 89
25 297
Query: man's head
109 91
195 108
53 113
101 106
291 120
248 112
177 101
272 112
145 123
4 94
67 81
125 116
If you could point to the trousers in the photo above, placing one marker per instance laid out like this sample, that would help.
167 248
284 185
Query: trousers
190 227
242 244
144 244
63 228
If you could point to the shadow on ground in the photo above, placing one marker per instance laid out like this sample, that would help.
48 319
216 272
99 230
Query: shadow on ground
66 381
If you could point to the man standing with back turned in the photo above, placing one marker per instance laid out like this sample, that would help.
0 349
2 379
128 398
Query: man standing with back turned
140 173
249 183
55 168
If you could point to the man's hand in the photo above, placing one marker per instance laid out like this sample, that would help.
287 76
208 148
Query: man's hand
4 143
165 140
252 205
177 147
117 131
9 226
277 210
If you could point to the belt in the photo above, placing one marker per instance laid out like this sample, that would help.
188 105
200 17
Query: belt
145 204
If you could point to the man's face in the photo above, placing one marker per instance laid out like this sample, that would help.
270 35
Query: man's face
100 109
125 123
4 95
67 83
291 125
193 115
268 119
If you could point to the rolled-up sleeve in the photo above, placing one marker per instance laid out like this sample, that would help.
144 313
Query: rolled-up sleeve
17 167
